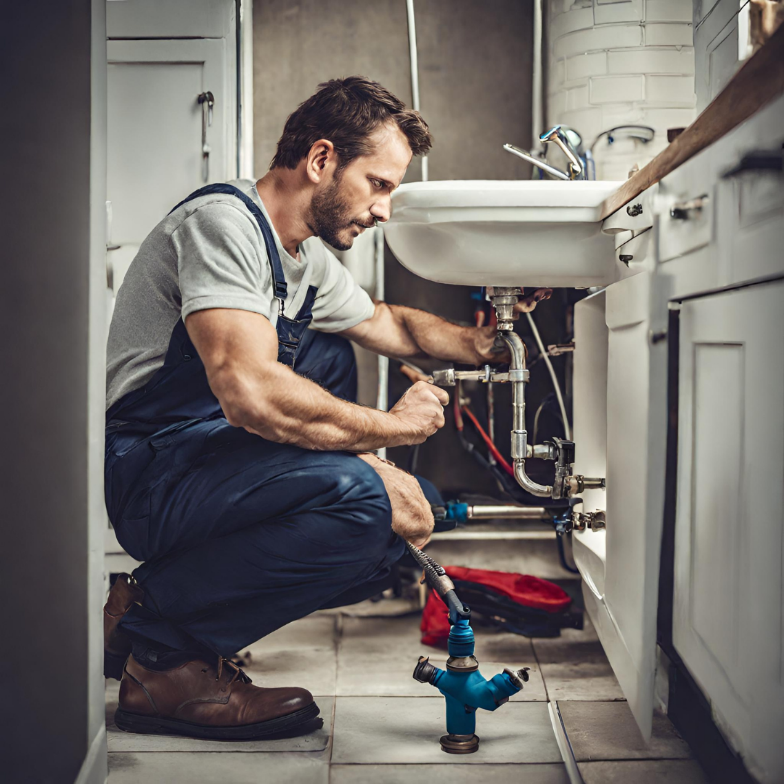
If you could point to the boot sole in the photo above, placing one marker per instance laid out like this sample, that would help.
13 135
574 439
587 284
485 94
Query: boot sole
292 724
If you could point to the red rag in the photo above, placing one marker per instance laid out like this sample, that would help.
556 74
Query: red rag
521 588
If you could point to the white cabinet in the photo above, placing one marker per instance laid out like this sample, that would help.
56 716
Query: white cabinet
729 567
616 356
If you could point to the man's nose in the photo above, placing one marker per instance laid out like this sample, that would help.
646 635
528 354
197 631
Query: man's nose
382 209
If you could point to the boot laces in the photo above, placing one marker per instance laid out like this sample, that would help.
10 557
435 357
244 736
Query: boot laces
237 674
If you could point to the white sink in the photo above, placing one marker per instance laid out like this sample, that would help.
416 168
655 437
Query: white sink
503 233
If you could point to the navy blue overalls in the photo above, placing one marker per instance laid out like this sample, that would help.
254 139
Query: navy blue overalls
239 535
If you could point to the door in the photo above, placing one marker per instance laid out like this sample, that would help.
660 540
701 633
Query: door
620 564
729 562
162 143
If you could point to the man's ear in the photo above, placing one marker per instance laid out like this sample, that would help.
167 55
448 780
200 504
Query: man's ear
320 158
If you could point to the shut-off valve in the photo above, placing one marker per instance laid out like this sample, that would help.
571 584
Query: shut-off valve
463 686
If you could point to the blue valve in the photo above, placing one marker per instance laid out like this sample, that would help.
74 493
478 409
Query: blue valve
466 689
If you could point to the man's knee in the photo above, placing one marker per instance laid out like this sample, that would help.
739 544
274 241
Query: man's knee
364 500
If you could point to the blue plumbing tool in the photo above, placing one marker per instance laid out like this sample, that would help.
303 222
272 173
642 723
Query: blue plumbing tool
463 686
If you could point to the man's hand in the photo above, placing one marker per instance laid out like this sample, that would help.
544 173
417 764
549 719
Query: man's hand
485 339
412 517
422 409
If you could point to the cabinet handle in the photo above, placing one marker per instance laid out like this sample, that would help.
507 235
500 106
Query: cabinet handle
682 210
757 160
207 103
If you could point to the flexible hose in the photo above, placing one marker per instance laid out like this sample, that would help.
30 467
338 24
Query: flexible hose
546 358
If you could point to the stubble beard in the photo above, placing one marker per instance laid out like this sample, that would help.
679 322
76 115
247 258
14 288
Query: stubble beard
329 216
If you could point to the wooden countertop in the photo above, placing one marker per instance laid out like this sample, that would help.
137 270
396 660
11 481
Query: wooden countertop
759 80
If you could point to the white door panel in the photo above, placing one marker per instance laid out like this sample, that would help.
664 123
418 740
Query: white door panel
622 596
728 590
155 154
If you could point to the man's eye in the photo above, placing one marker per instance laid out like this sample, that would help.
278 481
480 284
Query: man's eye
377 183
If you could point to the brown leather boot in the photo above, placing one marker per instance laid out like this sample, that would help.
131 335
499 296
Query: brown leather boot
207 701
116 646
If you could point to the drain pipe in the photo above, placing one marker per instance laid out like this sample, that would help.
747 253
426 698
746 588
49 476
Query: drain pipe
414 62
519 434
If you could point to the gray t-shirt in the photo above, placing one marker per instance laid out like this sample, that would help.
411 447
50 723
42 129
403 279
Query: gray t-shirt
210 253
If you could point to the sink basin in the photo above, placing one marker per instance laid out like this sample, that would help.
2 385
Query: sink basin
503 233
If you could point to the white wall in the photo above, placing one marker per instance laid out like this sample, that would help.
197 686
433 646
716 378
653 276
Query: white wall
615 62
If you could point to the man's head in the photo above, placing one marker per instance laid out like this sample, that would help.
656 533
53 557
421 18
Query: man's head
352 141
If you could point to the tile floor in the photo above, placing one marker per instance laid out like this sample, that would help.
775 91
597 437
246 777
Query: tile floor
382 726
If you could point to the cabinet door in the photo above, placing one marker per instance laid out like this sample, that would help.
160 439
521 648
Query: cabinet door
729 596
155 149
620 565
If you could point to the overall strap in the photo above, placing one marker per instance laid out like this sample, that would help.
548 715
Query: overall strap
278 278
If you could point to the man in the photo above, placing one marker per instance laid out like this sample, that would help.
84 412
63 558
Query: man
238 467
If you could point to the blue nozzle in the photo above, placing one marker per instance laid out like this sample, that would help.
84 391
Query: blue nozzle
543 137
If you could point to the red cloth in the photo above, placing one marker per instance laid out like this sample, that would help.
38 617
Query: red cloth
521 588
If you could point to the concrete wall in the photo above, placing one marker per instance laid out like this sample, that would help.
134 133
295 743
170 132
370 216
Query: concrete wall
475 88
51 344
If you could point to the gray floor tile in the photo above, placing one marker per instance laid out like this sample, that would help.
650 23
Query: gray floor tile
314 631
371 676
608 731
380 730
581 681
128 741
643 772
208 768
381 638
449 774
312 669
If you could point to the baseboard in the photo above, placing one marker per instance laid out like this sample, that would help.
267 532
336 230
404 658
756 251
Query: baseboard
95 768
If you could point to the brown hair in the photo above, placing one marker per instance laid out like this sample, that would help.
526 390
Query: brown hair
346 111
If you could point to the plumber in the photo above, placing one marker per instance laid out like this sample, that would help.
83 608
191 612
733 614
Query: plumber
238 464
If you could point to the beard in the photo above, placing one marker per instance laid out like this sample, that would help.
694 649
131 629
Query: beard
329 217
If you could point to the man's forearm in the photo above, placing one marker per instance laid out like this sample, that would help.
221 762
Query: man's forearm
397 331
438 338
290 409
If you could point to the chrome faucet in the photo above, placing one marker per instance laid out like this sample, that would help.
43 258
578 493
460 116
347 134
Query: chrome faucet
560 136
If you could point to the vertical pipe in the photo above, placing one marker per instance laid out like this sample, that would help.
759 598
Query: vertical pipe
536 99
414 61
546 357
383 362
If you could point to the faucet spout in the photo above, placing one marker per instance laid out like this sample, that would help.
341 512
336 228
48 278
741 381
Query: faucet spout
543 165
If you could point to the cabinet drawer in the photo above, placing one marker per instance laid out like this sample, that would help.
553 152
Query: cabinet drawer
685 218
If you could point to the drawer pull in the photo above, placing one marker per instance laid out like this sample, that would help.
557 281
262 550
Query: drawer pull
682 210
757 160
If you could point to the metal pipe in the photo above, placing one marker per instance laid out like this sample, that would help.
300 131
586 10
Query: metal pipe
543 165
414 63
506 512
536 92
519 434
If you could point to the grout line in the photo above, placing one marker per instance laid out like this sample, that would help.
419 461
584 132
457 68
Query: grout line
541 671
564 746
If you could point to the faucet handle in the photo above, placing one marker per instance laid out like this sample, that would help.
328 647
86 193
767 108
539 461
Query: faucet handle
556 134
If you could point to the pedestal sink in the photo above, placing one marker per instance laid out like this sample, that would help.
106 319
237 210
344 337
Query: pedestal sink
503 233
